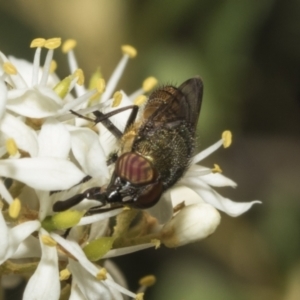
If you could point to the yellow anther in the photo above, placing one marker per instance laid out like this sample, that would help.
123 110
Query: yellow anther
156 243
227 138
68 45
129 50
80 76
216 169
149 83
11 147
53 66
15 208
139 296
48 240
64 274
102 274
141 99
100 85
147 281
117 98
39 42
52 43
9 68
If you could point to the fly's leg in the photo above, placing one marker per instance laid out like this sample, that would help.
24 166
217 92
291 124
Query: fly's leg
91 194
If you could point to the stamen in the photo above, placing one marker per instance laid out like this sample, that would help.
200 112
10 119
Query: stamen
227 138
11 147
117 98
72 104
102 274
64 274
36 63
37 43
68 45
206 152
48 240
147 281
216 169
79 74
156 242
129 50
14 208
149 83
139 296
53 66
9 68
140 100
52 43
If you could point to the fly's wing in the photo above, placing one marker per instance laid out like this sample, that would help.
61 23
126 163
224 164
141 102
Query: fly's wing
192 90
170 104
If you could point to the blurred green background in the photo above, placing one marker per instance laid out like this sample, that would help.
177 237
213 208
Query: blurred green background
248 55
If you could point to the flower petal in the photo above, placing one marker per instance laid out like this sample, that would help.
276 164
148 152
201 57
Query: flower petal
163 210
30 247
89 285
88 152
44 283
78 253
42 173
218 180
127 250
24 136
184 194
210 196
15 236
213 179
76 294
99 217
3 98
54 140
192 223
34 103
4 241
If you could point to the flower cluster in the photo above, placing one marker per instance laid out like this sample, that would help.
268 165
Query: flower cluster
44 148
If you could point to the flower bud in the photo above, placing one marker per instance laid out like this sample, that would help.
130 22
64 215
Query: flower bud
192 223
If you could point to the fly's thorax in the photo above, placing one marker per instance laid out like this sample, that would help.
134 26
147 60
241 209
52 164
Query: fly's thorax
170 150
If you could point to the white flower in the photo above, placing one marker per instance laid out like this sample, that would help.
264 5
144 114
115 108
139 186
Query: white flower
31 105
192 223
44 148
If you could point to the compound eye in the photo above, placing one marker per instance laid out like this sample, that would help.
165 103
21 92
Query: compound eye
135 168
150 195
